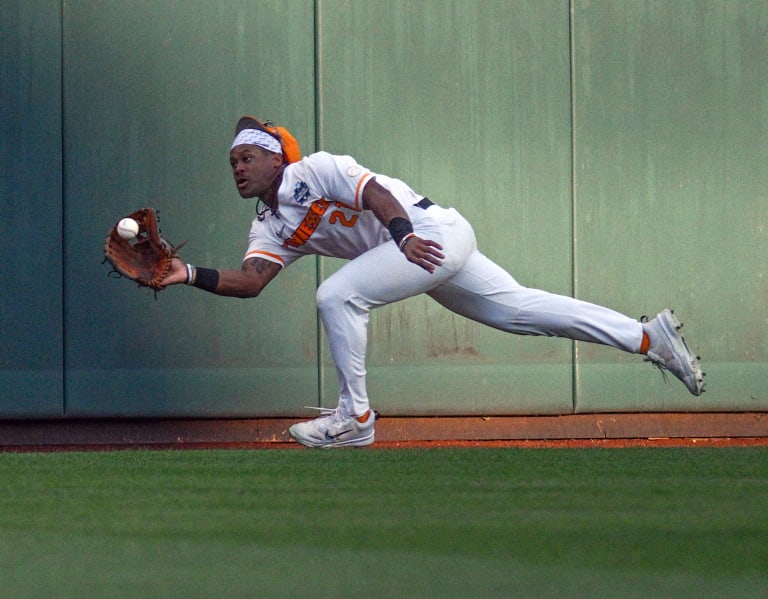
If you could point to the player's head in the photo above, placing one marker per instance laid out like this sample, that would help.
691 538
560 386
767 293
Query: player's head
256 158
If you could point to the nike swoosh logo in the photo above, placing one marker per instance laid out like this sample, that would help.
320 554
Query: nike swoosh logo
330 437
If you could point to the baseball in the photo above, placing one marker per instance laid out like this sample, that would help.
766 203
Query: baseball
127 228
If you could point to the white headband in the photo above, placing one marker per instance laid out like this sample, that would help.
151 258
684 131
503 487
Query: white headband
257 137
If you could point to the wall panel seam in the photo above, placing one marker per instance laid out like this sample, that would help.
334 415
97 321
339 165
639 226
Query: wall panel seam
318 108
63 192
574 232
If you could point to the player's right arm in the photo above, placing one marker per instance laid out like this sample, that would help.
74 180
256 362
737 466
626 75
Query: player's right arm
255 274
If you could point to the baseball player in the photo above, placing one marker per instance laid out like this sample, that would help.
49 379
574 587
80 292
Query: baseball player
399 244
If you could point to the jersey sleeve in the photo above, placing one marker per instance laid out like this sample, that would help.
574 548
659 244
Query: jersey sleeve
262 244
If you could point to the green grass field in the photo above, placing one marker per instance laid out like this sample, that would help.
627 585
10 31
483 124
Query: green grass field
469 522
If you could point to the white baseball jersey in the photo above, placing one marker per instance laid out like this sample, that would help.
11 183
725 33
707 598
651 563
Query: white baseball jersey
320 211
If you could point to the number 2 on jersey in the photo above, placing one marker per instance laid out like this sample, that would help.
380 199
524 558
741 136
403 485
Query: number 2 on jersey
337 216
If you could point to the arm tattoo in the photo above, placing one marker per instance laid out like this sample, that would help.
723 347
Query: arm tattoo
258 265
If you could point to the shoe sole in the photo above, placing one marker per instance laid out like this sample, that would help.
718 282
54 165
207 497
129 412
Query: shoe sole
365 442
356 442
671 326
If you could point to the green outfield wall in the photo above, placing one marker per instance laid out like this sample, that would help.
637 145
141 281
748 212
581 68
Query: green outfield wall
614 150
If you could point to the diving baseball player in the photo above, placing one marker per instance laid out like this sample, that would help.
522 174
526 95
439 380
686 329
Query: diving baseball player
399 244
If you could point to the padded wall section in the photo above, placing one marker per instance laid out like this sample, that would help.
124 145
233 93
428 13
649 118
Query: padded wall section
31 332
468 102
671 147
611 150
152 94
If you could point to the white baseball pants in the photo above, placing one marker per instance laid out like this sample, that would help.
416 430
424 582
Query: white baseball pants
467 283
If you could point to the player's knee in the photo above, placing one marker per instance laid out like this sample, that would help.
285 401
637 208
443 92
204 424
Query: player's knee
327 296
334 297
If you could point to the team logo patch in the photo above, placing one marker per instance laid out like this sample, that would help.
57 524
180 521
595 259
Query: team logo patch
301 192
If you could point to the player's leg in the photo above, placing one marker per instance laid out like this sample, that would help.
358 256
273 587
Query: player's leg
378 277
485 292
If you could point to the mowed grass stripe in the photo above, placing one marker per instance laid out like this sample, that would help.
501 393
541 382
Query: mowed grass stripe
383 523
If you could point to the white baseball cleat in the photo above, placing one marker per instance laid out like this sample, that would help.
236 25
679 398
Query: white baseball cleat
668 351
334 429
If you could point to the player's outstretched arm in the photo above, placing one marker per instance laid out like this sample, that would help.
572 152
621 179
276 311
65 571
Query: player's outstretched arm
255 274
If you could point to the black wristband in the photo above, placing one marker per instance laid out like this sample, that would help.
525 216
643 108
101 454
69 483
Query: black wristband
399 227
206 279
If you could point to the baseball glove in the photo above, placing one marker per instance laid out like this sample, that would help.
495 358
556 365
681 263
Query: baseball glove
147 257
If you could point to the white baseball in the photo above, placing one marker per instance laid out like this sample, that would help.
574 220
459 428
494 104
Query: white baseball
127 228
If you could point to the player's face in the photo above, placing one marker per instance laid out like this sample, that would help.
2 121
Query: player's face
254 170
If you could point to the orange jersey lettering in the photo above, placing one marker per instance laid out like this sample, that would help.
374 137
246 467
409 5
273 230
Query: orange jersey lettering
309 225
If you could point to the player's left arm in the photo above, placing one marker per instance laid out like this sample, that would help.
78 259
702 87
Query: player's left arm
422 252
